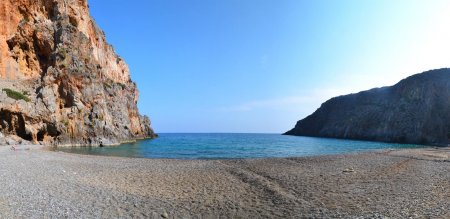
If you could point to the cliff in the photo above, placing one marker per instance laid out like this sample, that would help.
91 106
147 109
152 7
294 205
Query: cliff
415 110
61 83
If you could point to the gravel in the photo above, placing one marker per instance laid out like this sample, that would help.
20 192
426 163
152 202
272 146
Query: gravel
38 183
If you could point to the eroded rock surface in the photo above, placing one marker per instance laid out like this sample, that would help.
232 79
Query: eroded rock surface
61 83
416 110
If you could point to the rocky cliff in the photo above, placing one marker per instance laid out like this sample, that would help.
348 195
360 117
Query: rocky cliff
61 83
416 110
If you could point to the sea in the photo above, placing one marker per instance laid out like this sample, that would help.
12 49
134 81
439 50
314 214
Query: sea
234 146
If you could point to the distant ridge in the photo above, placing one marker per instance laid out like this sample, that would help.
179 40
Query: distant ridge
416 110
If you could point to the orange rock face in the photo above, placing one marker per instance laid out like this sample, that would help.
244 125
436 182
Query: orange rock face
19 64
65 84
8 21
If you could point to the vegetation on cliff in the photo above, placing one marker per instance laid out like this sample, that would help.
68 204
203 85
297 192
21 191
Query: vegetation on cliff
16 95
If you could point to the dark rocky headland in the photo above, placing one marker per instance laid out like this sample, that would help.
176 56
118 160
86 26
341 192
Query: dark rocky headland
416 110
61 83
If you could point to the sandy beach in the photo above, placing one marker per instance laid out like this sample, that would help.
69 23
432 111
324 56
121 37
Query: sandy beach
38 183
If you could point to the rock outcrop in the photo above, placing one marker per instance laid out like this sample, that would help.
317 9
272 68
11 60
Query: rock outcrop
61 83
416 110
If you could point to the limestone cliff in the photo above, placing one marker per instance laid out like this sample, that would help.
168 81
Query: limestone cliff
416 110
61 83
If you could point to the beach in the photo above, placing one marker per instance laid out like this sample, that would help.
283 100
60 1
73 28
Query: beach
38 183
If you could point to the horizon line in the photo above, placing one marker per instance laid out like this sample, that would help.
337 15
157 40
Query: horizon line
267 133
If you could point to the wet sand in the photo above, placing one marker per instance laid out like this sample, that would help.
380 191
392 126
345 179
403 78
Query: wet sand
38 183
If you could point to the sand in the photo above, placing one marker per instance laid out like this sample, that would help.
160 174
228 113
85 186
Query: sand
38 183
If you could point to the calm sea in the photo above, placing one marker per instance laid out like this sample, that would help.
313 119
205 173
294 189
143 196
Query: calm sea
226 146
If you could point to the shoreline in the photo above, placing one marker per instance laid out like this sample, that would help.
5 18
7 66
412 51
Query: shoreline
436 149
53 149
388 183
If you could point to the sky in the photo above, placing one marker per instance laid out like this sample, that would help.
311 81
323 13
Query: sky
259 66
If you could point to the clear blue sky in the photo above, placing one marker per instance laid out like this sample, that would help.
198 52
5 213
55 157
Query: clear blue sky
261 65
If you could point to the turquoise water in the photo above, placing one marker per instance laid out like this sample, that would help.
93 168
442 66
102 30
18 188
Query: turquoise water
226 146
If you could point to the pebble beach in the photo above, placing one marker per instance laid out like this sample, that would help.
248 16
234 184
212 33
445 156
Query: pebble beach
39 183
